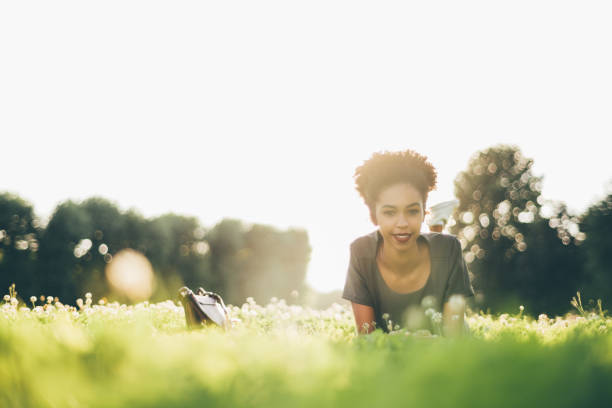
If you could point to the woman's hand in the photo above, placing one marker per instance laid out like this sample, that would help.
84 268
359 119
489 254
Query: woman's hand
364 318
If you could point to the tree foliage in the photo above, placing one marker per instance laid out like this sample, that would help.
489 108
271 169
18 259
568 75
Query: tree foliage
69 256
596 224
259 261
19 241
517 253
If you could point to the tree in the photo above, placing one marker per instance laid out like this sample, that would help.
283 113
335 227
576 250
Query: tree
550 271
227 257
596 224
78 243
258 261
275 263
176 247
64 253
515 253
19 241
69 257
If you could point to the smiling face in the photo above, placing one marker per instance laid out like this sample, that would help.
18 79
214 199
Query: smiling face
399 214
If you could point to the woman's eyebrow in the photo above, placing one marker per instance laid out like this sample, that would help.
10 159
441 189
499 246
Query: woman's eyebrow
409 205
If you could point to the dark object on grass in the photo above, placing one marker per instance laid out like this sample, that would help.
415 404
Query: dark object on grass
203 308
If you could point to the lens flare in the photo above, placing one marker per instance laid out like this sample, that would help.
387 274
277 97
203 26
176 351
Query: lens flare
130 274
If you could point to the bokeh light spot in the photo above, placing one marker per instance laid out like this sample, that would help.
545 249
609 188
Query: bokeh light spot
130 274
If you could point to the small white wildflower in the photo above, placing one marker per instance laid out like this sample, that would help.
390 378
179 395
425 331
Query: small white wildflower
79 303
49 299
429 312
14 302
7 298
436 318
521 308
385 316
88 295
428 302
33 299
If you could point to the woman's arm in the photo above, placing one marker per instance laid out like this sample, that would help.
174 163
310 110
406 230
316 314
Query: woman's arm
453 318
364 318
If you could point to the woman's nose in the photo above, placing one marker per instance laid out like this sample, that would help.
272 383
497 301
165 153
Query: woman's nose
402 221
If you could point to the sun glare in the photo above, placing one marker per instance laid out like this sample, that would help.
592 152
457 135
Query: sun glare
130 274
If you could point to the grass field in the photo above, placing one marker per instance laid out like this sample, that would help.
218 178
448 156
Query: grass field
111 355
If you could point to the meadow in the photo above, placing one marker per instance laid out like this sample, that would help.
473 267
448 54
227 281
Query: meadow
101 354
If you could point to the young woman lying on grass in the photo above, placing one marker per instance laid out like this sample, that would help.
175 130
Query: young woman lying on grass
395 271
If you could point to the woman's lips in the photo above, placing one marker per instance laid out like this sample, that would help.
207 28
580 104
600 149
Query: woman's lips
402 238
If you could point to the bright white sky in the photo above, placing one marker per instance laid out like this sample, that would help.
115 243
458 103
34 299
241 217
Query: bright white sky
261 110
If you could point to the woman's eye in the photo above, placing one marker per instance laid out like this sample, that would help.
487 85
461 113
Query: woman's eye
389 213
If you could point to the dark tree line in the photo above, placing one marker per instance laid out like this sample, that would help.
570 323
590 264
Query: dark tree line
522 249
67 257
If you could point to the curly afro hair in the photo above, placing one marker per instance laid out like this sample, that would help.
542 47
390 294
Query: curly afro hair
384 169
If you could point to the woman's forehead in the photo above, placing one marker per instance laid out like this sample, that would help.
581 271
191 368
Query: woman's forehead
401 194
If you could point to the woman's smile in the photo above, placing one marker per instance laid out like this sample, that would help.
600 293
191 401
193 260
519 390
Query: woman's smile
402 238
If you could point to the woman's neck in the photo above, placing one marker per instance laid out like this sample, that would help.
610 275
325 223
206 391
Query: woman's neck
401 262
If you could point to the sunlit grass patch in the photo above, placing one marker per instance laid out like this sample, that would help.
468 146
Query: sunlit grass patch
279 355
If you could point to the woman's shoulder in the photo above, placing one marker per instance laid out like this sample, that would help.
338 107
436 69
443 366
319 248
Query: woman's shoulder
441 245
365 245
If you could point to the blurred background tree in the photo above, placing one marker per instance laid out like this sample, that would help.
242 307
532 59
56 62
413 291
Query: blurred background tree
64 253
259 261
69 256
278 259
517 252
176 247
82 238
226 240
19 243
596 223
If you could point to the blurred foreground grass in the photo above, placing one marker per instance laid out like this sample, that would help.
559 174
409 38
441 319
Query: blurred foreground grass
111 355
